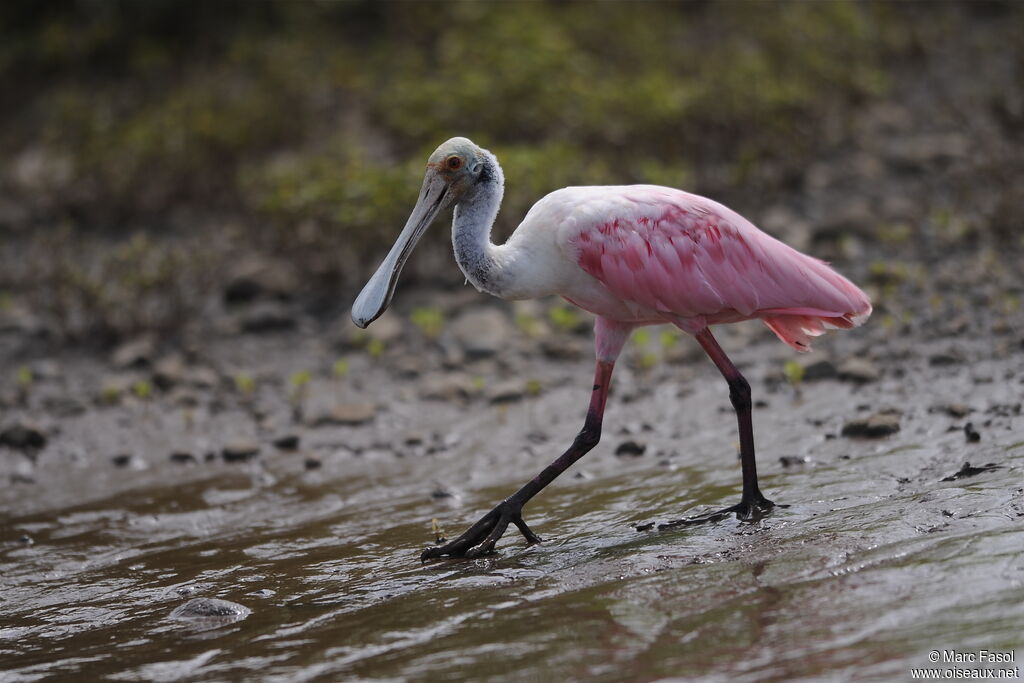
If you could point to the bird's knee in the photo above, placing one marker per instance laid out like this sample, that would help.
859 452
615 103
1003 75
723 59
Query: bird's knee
588 437
739 392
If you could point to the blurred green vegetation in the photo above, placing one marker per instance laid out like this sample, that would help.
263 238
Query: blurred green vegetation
309 122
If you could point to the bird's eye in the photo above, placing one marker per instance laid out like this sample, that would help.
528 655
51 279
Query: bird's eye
453 163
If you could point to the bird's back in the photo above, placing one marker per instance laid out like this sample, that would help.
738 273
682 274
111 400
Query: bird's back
671 255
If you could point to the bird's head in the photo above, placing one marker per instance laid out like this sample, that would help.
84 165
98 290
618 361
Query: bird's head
454 170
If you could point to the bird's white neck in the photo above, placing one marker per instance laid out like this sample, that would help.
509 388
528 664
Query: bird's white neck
478 258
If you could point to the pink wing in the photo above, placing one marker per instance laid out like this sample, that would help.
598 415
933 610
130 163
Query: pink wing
696 262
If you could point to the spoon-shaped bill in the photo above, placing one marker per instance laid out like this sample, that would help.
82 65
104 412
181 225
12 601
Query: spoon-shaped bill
376 295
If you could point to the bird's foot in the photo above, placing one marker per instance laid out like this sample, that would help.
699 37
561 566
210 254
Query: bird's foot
749 509
480 538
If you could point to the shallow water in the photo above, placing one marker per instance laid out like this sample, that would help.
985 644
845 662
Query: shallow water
875 562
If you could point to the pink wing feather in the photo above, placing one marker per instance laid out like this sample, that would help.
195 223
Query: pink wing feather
694 262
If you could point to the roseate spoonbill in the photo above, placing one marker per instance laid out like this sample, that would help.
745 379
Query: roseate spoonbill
632 255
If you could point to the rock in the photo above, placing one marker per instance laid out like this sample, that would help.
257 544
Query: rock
481 331
134 354
287 442
63 406
630 448
387 329
858 370
23 436
183 458
312 464
348 414
266 317
240 451
952 409
508 391
971 433
787 225
818 370
169 371
207 613
945 358
448 386
441 492
255 278
794 460
878 425
121 460
561 348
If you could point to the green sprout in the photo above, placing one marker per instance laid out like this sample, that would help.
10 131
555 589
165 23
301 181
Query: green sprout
24 378
429 320
375 347
244 384
142 389
340 368
528 324
110 394
642 338
533 387
564 318
794 372
668 340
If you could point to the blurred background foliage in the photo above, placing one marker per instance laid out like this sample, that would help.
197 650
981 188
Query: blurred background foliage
300 129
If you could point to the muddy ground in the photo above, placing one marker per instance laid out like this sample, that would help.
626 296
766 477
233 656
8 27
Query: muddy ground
891 545
279 461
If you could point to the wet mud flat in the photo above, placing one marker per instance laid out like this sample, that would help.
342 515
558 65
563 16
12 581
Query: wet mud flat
899 457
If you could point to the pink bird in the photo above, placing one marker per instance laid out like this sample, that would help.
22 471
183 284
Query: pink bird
632 255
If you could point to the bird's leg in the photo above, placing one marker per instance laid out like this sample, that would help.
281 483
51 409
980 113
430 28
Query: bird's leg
753 505
480 538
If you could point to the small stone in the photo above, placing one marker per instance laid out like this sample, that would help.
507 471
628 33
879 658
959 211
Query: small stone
945 358
562 348
121 460
169 371
509 391
288 442
347 414
630 448
23 437
858 370
25 539
240 451
448 386
818 370
971 433
210 612
312 464
794 460
441 492
183 458
134 354
266 317
878 425
953 409
482 331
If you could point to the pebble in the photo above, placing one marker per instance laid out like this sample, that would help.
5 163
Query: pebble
121 460
508 391
818 370
971 433
878 425
482 332
22 436
287 442
448 386
183 458
210 612
793 460
631 448
312 464
240 451
134 353
347 414
266 317
169 371
858 370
